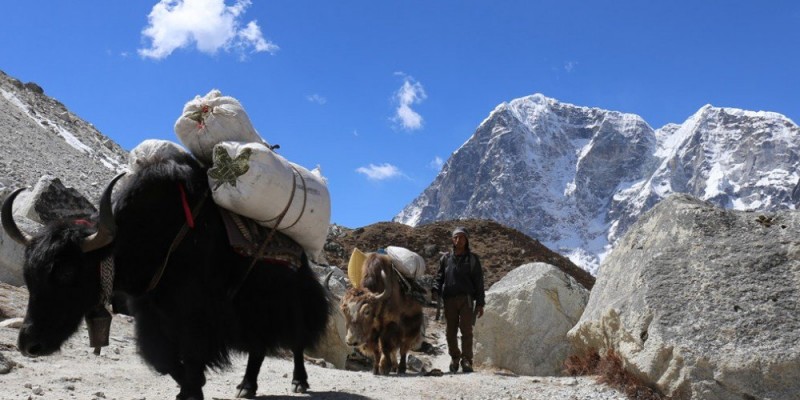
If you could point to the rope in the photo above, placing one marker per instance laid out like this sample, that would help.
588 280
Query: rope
263 247
279 217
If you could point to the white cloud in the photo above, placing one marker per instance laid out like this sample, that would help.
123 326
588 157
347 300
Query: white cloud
315 98
410 93
436 163
380 172
570 65
210 25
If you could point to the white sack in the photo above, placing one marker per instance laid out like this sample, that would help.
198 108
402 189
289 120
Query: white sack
254 181
153 149
409 263
211 119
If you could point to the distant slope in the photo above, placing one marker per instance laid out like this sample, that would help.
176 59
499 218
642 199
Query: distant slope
39 135
500 248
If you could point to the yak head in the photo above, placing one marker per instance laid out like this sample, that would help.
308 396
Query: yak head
62 274
361 309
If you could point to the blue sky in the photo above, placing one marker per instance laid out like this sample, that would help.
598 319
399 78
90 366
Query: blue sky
380 93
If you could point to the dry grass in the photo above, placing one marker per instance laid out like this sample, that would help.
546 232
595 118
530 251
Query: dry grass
610 371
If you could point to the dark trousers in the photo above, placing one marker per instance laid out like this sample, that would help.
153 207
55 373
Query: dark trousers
458 315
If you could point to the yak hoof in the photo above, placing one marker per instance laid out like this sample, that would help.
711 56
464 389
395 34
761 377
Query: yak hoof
245 391
299 387
190 397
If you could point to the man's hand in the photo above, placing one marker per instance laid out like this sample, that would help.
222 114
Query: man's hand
479 311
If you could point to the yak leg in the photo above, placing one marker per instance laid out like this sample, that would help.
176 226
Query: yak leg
249 385
193 380
386 358
299 375
405 346
376 362
401 368
156 349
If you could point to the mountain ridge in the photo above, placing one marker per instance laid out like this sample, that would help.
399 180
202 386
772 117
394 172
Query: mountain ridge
576 177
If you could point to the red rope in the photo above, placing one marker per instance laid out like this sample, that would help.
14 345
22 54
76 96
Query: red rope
186 210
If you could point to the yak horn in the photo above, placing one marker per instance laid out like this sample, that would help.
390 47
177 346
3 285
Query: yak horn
106 227
9 226
387 288
328 286
328 280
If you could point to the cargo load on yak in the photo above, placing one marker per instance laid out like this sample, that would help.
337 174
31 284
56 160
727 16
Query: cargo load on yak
252 180
406 262
407 265
248 178
213 118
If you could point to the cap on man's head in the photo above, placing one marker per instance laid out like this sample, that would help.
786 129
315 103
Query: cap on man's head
460 230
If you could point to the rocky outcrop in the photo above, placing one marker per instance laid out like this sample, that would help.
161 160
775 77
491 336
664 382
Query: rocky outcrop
526 319
702 303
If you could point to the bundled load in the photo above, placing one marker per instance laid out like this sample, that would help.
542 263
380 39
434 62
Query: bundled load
406 262
153 149
248 178
254 181
409 263
213 118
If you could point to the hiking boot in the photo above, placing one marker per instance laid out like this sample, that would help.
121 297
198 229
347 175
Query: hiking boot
466 366
454 365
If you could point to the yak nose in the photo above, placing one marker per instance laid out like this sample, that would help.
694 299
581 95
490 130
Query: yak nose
27 344
350 339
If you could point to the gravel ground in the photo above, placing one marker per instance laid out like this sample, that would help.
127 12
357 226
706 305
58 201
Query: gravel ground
118 373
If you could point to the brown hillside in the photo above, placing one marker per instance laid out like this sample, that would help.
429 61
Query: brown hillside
499 247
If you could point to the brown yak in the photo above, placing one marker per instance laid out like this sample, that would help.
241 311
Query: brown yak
380 318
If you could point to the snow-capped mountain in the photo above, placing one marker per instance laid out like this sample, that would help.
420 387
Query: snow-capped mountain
575 178
40 136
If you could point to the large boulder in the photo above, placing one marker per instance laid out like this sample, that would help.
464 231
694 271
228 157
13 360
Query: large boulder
526 319
49 201
702 303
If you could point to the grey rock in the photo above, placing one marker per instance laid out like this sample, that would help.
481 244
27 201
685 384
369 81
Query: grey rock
526 319
702 302
52 201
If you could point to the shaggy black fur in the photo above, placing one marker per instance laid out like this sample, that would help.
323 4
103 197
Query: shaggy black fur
189 322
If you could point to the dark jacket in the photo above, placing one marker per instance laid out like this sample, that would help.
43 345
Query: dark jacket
460 275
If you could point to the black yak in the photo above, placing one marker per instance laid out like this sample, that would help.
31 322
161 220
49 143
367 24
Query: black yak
194 298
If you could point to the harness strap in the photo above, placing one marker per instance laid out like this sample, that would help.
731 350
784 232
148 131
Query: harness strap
106 279
175 242
186 211
263 247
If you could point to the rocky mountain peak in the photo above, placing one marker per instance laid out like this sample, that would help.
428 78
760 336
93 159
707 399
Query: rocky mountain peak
576 177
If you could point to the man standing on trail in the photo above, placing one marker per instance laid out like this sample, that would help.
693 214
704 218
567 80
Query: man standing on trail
459 284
